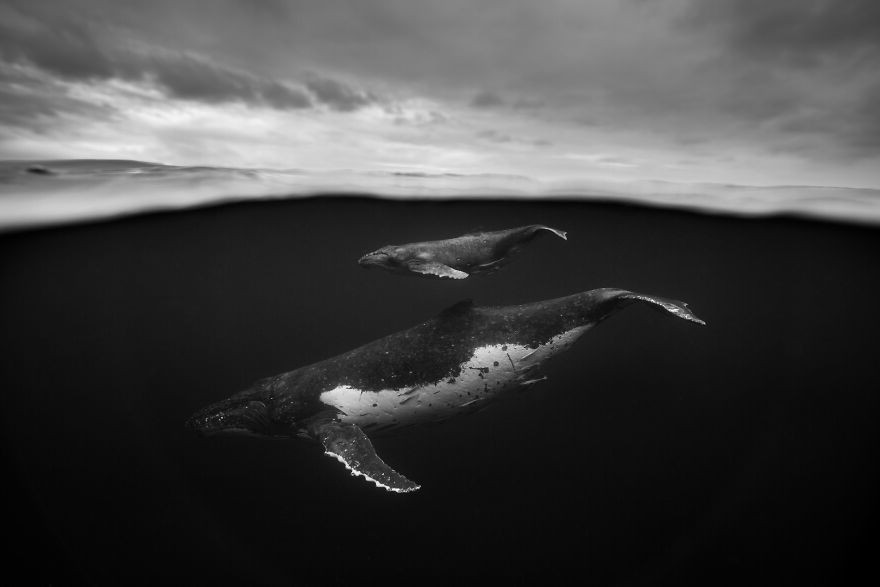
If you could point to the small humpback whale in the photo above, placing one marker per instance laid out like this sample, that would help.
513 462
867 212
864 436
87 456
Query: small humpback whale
452 364
456 258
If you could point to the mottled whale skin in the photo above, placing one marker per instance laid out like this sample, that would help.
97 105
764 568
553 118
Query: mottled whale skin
459 257
454 363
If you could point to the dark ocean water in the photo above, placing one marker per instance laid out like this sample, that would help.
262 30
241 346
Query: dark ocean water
658 452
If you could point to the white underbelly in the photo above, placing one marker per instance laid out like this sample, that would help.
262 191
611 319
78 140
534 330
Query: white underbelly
491 370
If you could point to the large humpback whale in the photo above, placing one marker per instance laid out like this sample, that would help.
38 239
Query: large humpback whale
456 258
454 363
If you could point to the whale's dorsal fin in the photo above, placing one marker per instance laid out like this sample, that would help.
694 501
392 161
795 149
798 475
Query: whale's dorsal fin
352 448
434 268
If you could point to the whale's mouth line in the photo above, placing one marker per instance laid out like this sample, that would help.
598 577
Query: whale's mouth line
375 259
371 259
233 417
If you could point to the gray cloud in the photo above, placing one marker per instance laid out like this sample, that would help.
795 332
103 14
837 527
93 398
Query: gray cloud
856 129
282 96
415 118
742 77
35 104
805 69
495 136
190 78
528 104
338 95
68 51
794 31
75 50
487 99
865 134
761 95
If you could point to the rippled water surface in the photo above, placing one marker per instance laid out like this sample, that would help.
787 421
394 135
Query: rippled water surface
46 193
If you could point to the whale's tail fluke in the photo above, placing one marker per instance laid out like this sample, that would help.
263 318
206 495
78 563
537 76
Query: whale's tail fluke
619 298
560 233
674 307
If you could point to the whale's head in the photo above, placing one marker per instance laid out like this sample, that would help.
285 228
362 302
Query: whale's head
390 258
234 416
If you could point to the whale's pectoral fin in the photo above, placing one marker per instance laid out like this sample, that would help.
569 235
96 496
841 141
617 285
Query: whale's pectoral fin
352 448
438 269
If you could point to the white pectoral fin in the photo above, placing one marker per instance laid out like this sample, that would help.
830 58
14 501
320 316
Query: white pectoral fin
352 448
438 269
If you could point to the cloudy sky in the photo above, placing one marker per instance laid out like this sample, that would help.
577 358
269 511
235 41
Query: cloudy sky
740 91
